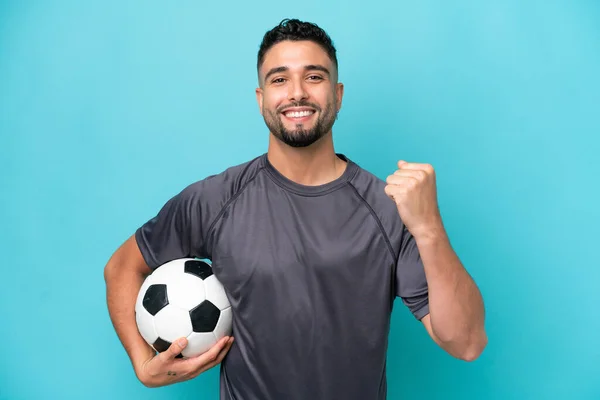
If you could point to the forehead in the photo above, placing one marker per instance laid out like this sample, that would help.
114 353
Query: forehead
295 55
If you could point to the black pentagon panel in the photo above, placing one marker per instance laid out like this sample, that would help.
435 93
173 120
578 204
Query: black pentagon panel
205 317
162 345
198 268
155 298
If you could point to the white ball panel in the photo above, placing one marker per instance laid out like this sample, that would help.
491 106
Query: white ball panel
145 323
172 323
215 293
225 324
184 290
199 343
174 267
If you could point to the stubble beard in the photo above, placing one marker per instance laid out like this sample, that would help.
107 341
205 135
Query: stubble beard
301 137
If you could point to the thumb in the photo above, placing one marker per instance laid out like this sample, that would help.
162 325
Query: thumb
401 163
175 349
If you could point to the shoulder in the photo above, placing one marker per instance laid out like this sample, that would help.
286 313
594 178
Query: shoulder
202 201
225 184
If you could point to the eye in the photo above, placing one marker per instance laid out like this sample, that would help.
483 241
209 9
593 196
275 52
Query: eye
315 78
278 80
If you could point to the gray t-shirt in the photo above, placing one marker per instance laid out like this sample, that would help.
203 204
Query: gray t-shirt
311 273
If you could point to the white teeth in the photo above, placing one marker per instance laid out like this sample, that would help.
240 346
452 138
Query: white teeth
298 114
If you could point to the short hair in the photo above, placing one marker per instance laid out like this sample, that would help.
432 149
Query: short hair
296 30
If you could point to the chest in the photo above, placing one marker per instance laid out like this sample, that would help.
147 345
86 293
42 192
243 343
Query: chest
290 241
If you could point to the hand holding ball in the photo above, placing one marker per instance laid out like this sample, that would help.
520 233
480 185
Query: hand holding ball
183 299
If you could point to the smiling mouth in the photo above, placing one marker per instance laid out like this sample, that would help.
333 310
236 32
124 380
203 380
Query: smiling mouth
298 114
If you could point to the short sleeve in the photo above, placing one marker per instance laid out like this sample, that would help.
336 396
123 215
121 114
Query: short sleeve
411 283
177 231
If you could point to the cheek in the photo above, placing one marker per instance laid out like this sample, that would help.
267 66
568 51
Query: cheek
274 99
326 96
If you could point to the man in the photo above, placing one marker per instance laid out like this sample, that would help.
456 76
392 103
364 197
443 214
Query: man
311 249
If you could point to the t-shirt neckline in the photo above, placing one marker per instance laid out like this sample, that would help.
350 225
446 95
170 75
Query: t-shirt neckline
311 190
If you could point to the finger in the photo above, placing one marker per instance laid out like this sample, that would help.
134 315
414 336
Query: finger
203 368
208 356
415 173
401 179
218 360
223 352
415 166
395 192
173 351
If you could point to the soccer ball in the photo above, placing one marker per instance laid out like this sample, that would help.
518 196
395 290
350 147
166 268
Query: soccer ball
182 298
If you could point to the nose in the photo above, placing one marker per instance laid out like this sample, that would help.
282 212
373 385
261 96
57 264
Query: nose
297 91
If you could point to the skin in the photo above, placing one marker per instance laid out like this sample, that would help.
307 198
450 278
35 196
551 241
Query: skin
456 318
124 274
302 81
301 73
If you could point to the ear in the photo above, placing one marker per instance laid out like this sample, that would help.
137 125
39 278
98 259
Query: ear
259 99
339 94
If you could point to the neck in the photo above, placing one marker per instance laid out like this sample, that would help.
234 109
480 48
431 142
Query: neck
314 165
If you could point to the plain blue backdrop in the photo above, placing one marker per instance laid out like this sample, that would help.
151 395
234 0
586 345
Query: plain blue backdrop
109 108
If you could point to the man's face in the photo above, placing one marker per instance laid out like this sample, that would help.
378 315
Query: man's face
299 98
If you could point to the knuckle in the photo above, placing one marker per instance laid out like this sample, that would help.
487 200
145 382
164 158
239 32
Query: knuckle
210 357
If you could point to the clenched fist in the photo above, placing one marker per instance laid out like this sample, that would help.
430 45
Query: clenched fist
413 188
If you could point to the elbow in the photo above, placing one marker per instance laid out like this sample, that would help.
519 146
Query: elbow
474 348
113 272
467 348
109 272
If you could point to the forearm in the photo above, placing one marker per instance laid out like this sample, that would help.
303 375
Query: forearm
122 287
455 303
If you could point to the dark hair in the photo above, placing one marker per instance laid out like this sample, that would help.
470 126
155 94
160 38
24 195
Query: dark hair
296 30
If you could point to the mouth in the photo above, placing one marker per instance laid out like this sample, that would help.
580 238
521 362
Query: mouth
298 114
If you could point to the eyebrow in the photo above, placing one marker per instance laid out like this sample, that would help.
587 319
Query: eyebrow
315 67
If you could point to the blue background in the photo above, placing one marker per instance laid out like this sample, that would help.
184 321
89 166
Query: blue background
109 108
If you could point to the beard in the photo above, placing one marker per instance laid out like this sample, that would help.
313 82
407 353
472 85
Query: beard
301 137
